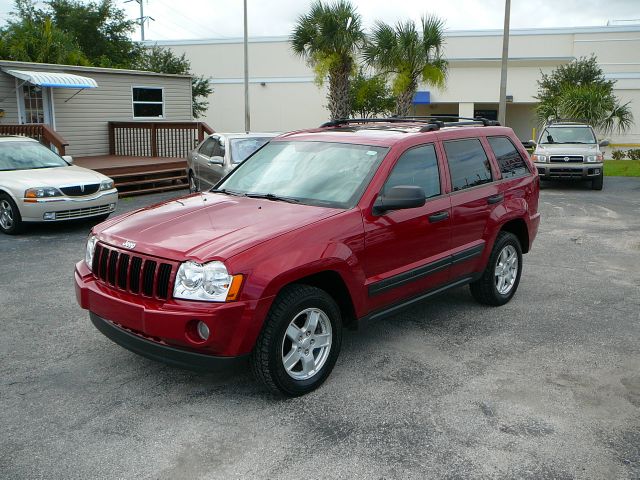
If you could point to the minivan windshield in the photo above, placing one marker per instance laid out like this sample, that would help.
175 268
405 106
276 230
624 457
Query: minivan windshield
313 173
567 135
25 155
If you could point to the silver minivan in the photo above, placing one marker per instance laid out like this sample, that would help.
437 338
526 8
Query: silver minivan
570 150
220 153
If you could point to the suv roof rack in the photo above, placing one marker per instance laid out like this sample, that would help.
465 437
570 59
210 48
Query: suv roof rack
567 121
433 122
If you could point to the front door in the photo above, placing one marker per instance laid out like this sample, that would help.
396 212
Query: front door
407 251
35 104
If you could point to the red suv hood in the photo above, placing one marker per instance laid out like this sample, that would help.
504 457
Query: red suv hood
206 226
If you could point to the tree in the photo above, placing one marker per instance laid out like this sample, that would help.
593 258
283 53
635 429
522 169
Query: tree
32 36
370 96
409 56
580 91
101 30
328 37
162 60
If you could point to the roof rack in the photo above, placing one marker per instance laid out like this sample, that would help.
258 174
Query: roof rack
567 121
434 122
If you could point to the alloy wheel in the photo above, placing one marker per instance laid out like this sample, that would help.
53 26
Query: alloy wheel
506 270
6 215
306 344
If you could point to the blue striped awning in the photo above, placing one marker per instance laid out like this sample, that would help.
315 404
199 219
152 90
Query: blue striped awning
54 79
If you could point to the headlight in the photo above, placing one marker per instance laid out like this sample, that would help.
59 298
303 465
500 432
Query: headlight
106 184
209 282
538 158
91 248
594 158
42 192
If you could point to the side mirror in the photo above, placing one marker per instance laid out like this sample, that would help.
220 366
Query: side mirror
68 158
217 160
604 143
399 197
529 144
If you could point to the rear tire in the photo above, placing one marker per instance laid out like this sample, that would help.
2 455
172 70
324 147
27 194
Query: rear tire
300 341
193 185
597 183
501 277
10 218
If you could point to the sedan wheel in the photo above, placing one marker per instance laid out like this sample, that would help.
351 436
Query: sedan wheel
10 219
193 187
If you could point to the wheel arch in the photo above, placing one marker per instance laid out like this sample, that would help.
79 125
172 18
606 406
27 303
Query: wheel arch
518 227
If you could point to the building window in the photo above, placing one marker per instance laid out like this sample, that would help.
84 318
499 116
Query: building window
33 104
148 102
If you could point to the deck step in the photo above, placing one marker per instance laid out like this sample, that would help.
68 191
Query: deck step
163 188
144 181
164 171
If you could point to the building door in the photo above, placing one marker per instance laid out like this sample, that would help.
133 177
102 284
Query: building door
35 104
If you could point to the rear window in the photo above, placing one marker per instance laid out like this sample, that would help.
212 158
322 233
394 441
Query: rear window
468 163
509 159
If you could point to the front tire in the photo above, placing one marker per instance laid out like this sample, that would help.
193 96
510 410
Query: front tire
300 341
597 183
501 277
10 218
193 186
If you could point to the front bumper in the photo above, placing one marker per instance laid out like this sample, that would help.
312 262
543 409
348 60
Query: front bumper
169 325
160 352
580 171
68 208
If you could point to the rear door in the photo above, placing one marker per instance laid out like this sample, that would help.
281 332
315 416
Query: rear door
201 159
406 251
474 196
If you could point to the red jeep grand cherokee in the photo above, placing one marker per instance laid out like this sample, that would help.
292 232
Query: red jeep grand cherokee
315 231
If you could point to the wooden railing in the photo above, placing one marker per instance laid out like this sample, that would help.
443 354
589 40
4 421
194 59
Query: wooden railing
156 139
43 133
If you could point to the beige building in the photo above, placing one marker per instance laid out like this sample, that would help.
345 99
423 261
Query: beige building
283 95
79 102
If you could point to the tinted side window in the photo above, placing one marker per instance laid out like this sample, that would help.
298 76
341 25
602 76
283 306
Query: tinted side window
206 148
509 159
218 150
468 163
417 166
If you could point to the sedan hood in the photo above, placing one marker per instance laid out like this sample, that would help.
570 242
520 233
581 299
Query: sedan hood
208 226
49 177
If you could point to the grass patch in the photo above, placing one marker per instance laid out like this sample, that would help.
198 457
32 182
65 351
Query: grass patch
622 168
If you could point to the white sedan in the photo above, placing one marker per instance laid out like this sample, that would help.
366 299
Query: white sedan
37 185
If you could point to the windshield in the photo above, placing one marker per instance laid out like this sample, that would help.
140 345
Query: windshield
26 155
242 148
315 173
567 135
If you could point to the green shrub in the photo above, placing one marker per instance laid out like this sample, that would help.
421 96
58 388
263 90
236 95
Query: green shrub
617 154
633 153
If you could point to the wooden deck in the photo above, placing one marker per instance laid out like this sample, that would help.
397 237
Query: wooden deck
139 175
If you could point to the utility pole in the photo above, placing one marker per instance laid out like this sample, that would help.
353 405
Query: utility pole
502 107
141 19
247 116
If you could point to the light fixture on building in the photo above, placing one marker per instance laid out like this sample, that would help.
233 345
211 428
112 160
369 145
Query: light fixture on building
509 98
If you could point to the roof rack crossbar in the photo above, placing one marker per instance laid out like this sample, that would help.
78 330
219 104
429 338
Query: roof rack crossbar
433 120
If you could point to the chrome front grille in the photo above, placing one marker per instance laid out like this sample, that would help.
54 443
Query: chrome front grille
132 272
79 190
566 158
82 212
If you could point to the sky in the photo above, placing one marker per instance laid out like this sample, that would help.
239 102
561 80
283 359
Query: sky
186 19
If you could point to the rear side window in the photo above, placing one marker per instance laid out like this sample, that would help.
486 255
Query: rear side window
509 159
418 167
206 148
468 163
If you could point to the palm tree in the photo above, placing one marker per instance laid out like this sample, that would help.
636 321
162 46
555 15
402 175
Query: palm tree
328 37
409 56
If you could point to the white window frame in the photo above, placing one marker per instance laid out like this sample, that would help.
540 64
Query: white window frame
134 102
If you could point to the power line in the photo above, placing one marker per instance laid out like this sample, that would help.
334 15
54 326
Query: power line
142 18
190 21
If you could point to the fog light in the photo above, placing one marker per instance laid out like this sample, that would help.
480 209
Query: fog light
203 330
112 206
596 171
49 216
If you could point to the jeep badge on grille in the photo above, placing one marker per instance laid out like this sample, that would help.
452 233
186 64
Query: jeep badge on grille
129 244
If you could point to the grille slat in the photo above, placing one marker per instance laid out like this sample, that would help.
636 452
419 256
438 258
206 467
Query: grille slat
136 274
82 212
563 158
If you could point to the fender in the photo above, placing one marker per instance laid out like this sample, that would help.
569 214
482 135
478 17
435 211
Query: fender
513 208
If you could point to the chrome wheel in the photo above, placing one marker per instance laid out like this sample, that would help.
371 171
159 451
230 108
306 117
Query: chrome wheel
6 215
506 270
306 344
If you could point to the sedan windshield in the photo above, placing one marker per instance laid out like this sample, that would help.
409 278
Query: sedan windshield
315 173
27 155
242 148
567 135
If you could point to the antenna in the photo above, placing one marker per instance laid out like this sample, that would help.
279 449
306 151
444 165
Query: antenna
141 19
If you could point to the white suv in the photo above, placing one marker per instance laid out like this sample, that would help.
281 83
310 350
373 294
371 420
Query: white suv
569 150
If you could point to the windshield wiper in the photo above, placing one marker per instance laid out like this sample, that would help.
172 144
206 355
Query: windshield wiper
271 196
228 192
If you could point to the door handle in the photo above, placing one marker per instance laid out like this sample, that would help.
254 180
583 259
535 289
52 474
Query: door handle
438 217
495 198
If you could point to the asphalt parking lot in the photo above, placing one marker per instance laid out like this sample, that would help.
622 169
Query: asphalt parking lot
546 387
